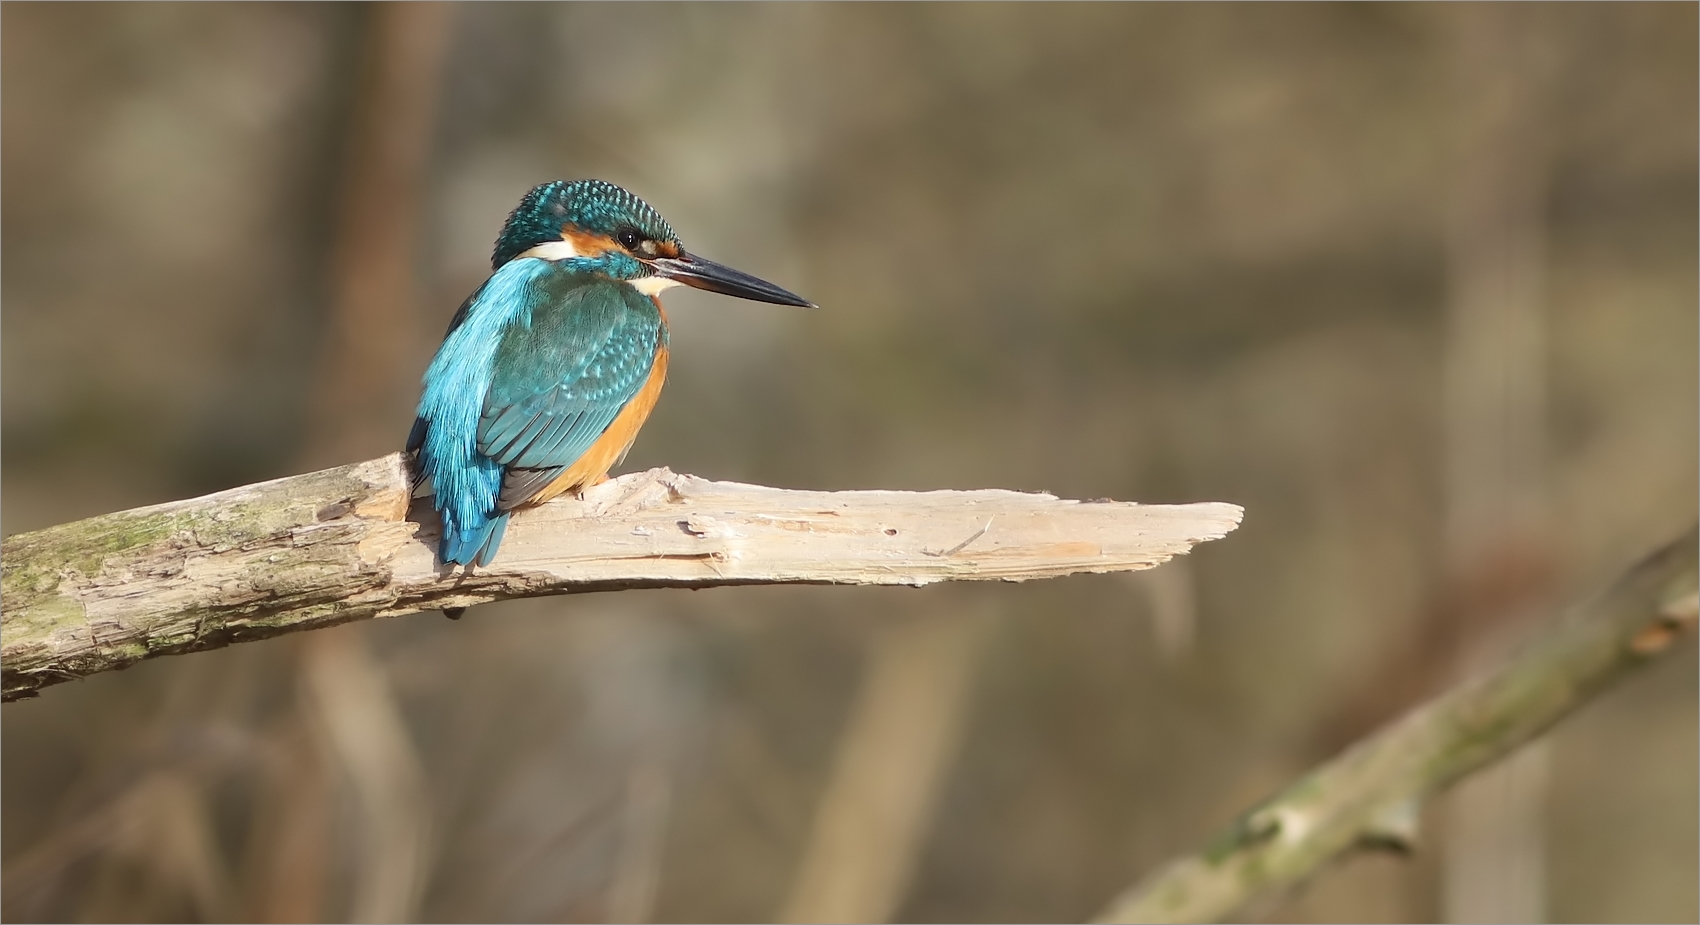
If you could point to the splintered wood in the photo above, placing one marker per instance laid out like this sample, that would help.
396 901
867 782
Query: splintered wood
349 543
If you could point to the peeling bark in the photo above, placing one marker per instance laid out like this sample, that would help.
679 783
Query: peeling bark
350 544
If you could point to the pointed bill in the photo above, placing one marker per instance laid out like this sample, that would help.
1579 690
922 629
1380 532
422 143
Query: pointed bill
701 273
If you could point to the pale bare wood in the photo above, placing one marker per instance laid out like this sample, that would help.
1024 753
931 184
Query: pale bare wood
349 544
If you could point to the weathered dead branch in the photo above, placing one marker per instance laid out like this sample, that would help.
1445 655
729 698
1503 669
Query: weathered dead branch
1370 795
349 544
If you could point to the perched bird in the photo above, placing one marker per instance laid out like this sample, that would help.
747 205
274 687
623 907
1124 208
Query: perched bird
549 369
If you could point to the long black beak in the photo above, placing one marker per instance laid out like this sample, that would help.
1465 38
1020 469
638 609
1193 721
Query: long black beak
699 273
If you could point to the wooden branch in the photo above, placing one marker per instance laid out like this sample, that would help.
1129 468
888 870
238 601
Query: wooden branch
348 544
1370 795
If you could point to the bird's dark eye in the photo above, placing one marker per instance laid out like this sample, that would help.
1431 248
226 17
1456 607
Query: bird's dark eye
628 238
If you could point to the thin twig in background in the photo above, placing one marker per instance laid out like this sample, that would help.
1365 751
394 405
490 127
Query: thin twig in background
643 830
900 739
160 825
1370 795
352 703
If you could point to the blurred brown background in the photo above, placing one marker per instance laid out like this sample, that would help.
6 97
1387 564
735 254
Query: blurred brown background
1414 284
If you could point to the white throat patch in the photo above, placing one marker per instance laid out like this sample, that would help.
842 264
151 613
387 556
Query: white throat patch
652 286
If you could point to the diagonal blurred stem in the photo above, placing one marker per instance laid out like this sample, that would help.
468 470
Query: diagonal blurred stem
1369 794
350 700
643 831
902 735
161 824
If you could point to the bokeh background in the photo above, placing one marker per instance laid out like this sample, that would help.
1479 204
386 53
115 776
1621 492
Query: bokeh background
1415 284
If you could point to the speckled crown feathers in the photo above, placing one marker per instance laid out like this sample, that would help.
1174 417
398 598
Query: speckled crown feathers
595 206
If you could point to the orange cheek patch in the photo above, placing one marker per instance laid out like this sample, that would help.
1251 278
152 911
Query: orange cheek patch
587 245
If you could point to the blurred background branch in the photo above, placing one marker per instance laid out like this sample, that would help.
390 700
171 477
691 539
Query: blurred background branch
350 699
904 727
366 360
1371 795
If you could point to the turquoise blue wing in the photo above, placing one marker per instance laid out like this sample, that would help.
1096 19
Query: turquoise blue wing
445 431
534 367
559 381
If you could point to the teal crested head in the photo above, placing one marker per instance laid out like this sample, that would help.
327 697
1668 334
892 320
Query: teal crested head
601 228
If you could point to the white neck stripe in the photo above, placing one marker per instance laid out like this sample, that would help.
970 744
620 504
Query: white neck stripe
553 250
564 250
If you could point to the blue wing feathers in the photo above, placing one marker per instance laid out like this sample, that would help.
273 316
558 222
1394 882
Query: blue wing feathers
535 367
493 539
474 543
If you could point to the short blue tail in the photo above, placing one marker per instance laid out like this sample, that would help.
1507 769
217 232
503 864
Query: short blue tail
465 544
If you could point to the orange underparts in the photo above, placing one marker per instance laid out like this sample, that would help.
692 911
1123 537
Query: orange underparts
592 468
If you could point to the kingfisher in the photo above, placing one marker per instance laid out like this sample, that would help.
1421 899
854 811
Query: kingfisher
548 370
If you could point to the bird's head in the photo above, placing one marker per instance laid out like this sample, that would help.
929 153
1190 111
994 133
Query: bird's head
603 228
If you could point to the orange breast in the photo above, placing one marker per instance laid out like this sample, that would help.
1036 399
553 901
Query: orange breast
593 466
